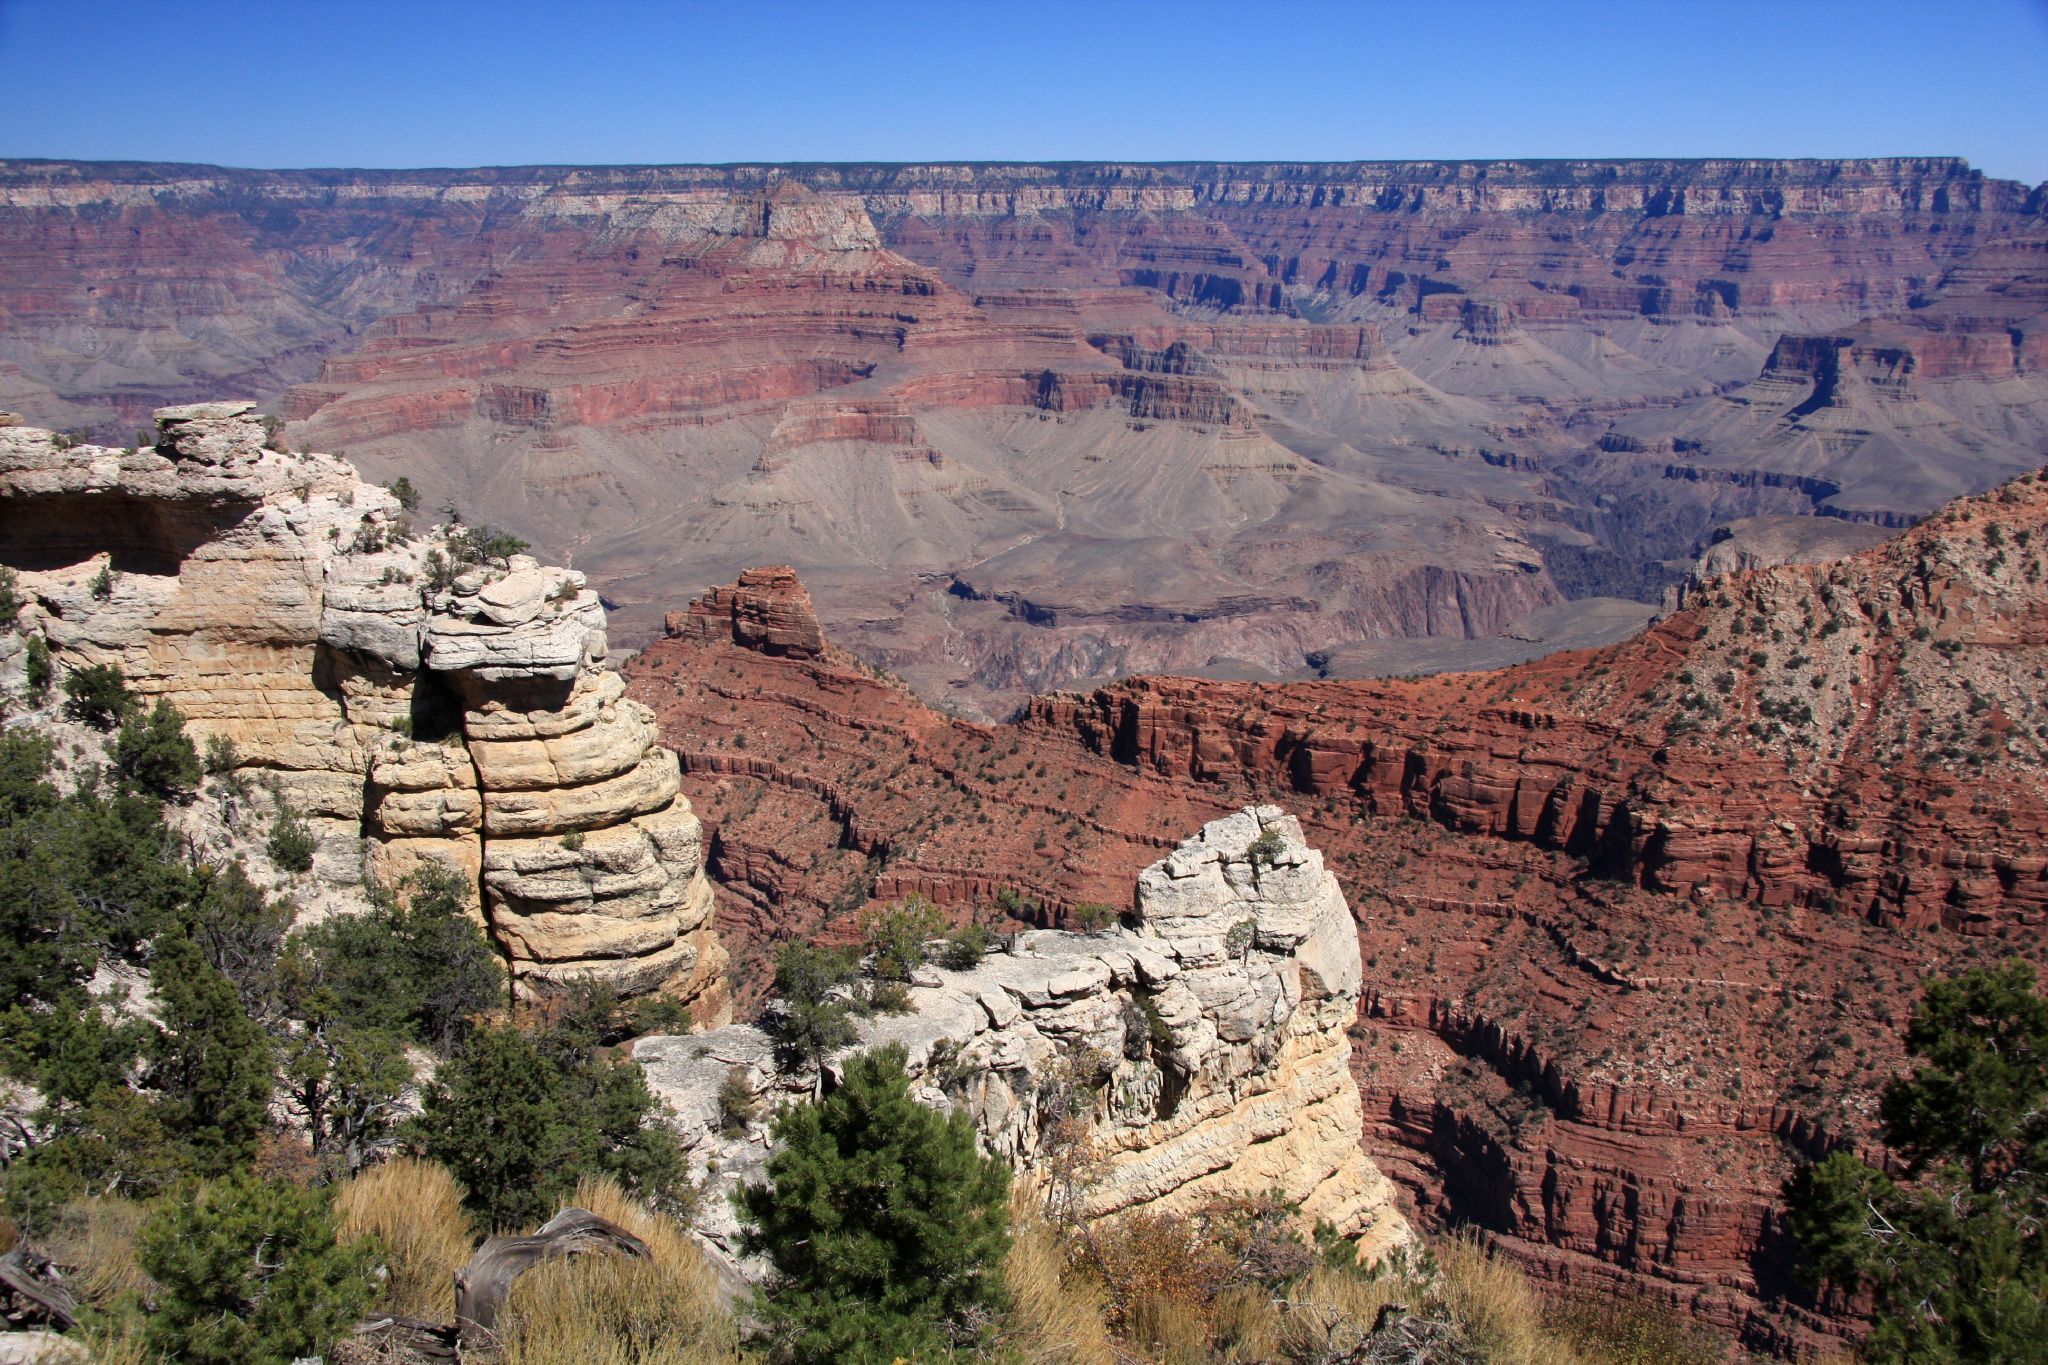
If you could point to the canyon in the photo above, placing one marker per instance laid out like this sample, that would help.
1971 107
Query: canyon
1640 926
1033 427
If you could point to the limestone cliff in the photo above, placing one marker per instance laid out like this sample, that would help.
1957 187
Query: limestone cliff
1205 1040
414 694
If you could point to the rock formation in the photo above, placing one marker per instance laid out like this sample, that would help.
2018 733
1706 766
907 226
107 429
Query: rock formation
1638 923
415 695
1204 1040
1025 427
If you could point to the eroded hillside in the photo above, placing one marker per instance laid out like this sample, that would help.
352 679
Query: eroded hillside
1026 427
1638 923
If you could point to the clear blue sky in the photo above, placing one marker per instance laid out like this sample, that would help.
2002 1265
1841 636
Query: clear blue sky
374 83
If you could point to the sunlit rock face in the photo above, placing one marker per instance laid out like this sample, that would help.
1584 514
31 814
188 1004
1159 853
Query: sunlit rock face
1203 1040
412 706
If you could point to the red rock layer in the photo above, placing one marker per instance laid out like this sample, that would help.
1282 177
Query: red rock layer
1639 923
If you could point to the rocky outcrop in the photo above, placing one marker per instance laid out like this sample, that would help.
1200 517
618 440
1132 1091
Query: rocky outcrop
415 695
1204 1040
767 609
1637 923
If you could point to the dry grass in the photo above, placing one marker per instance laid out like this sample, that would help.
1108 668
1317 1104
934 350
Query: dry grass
607 1310
94 1241
414 1210
107 1345
1499 1309
1055 1313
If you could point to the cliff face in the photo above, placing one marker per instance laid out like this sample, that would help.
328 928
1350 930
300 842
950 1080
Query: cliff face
1637 923
1191 418
1203 1043
287 606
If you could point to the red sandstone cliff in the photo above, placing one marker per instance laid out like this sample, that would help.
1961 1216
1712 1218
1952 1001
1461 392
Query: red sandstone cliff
1639 923
1198 419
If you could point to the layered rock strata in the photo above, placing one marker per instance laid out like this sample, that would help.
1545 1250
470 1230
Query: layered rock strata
415 698
1641 925
1204 1040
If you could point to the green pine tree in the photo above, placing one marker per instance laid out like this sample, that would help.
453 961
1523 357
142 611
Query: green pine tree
209 1060
495 1116
1955 1253
886 1226
249 1273
153 753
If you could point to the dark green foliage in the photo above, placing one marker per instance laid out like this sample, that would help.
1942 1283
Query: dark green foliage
291 844
966 947
897 937
250 1274
240 931
11 600
1265 849
471 545
102 585
37 671
418 967
344 1081
815 1016
1954 1253
153 754
98 695
1091 917
493 1115
221 755
518 1127
886 1227
408 496
80 875
210 1061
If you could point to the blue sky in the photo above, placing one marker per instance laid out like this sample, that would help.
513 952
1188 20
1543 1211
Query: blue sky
372 83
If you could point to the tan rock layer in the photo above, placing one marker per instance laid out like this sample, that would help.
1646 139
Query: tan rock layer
280 602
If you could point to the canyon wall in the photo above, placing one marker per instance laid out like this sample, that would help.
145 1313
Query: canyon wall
413 698
1201 1045
1640 925
1031 427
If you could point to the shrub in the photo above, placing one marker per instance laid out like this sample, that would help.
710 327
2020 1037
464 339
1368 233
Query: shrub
210 1061
98 695
154 754
885 1225
411 1212
250 1274
897 935
813 1021
1265 849
1091 917
102 583
966 947
222 756
737 1106
517 1128
408 496
1952 1252
291 844
37 671
1054 1315
417 966
11 600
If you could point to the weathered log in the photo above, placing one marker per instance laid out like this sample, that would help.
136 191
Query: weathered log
32 1279
482 1286
416 1337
